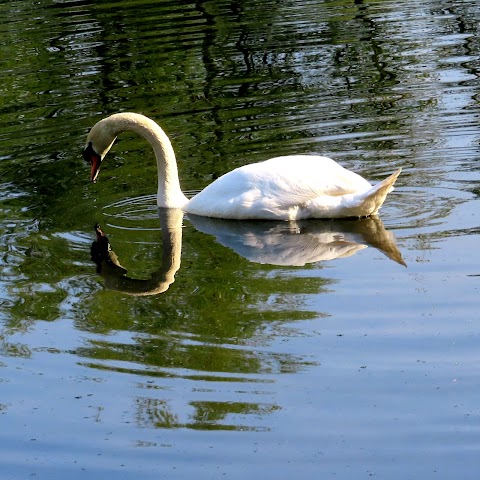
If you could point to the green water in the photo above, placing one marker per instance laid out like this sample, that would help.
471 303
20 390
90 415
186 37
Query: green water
254 361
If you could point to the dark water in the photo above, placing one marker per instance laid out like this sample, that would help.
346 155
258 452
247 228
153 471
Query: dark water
256 361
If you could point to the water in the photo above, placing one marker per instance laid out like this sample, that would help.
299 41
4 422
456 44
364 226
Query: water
347 364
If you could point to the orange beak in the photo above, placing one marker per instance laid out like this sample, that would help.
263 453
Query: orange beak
92 157
95 168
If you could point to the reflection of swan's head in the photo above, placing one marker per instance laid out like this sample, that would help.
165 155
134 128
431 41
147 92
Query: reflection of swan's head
102 254
99 141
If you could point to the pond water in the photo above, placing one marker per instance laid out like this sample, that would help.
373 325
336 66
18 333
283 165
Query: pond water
342 350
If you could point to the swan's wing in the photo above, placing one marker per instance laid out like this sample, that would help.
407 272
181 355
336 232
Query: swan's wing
305 177
272 188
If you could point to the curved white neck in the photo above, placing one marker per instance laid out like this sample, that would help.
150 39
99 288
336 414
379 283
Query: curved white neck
169 193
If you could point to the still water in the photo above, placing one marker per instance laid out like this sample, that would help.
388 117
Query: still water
343 350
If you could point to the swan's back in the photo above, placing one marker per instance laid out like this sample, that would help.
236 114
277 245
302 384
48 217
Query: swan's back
277 188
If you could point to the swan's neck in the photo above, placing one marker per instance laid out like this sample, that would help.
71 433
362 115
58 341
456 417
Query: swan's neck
169 193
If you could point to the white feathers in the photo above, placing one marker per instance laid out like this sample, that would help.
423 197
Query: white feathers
290 188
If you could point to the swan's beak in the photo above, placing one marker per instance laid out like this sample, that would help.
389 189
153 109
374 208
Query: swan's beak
95 168
92 157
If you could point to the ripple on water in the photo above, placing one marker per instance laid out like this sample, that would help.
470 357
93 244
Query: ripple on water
192 383
377 86
138 213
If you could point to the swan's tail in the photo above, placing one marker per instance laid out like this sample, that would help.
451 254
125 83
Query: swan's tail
370 202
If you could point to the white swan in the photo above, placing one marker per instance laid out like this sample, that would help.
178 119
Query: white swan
283 188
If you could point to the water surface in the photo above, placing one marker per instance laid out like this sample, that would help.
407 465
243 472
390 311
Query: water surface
357 358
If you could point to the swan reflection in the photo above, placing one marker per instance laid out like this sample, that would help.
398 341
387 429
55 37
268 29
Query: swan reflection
301 242
266 242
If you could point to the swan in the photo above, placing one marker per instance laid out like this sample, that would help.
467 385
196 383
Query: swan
288 188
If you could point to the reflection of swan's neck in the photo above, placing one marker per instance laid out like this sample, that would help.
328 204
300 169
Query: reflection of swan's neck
171 223
169 192
161 279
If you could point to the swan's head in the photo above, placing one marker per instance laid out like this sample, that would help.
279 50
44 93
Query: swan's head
99 141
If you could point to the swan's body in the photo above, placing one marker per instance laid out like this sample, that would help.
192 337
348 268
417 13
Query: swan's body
283 188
